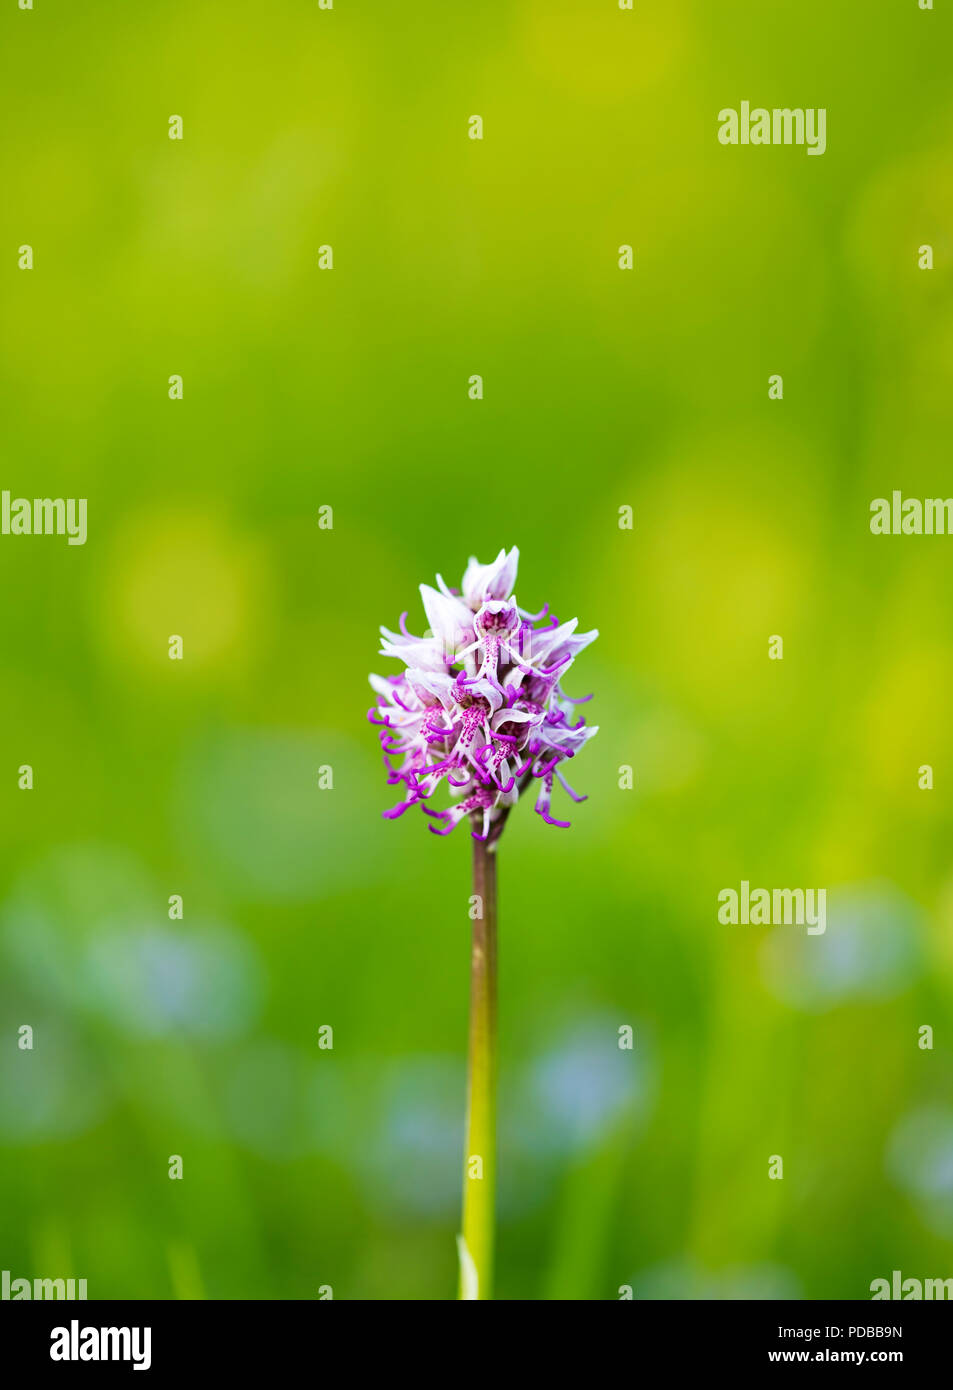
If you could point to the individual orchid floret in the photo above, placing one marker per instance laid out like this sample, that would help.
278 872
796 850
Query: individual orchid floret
483 583
479 705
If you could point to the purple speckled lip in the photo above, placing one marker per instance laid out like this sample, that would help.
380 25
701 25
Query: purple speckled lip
479 704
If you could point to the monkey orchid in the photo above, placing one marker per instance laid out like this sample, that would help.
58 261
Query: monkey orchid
479 707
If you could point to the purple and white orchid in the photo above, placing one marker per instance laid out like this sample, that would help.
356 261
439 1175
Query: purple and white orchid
480 704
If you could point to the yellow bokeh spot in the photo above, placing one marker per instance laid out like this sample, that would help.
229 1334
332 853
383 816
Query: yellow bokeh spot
181 575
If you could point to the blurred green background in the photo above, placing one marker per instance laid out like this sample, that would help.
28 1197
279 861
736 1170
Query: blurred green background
305 388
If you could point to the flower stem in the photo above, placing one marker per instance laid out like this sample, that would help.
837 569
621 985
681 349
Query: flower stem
479 1160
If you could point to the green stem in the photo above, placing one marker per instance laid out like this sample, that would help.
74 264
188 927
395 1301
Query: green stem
479 1160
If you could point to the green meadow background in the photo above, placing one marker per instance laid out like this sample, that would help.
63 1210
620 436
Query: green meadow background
347 388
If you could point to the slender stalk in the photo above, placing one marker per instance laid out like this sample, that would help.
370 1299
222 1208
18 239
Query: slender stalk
479 1160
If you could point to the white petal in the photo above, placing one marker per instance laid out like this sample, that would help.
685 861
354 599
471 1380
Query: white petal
435 684
382 686
412 651
538 645
494 581
447 616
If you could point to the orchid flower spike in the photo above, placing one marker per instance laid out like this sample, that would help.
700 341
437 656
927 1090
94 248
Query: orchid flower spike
479 705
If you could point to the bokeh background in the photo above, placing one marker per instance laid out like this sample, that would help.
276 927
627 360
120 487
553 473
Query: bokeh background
348 388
